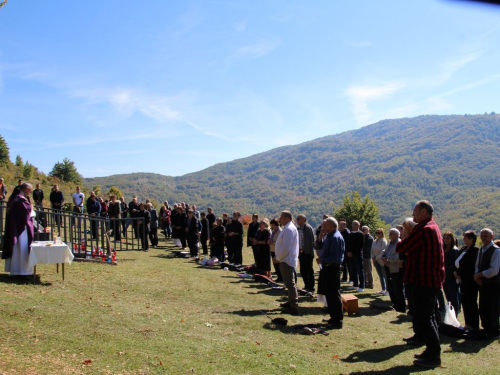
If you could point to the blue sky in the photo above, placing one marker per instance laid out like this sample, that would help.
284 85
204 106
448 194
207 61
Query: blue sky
173 87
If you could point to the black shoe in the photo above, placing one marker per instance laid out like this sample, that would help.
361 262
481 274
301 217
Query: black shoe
285 305
422 355
278 280
415 342
428 362
333 324
411 338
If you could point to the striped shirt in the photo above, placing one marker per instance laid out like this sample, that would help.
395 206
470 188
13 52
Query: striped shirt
425 255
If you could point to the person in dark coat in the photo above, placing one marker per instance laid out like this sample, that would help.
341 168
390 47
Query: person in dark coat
143 225
123 215
153 227
133 211
180 226
465 268
114 216
93 210
235 236
253 227
205 232
193 229
306 252
57 200
218 239
367 256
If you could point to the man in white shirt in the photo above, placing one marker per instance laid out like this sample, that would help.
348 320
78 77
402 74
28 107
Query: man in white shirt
488 278
78 199
287 253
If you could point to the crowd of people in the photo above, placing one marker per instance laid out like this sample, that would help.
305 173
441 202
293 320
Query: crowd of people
417 266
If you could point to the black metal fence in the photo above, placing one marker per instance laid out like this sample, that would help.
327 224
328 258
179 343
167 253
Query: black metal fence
85 234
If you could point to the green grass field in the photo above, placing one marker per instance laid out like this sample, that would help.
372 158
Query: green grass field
154 314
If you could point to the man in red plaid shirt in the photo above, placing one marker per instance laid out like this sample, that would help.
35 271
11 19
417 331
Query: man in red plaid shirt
425 272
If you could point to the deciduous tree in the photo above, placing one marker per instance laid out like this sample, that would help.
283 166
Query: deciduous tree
364 210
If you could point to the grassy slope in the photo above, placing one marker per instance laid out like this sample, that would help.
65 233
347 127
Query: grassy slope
148 315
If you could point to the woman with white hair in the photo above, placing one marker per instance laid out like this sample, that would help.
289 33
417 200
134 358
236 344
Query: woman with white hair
394 278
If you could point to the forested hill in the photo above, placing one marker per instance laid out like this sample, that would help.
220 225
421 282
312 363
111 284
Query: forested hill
451 160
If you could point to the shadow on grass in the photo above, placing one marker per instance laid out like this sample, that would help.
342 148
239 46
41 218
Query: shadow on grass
376 355
465 346
250 313
167 256
20 280
397 370
401 318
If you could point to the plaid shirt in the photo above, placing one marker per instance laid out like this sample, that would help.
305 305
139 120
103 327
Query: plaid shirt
425 255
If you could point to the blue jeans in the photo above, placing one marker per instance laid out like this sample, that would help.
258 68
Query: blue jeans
381 275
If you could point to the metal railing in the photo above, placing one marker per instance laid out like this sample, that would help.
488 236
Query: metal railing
84 233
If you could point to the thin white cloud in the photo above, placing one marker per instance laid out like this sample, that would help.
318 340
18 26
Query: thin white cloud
128 101
467 86
257 50
484 35
361 96
456 63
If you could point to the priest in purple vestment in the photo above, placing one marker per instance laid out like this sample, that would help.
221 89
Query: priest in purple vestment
18 233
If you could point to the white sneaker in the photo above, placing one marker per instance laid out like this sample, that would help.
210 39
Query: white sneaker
361 290
386 293
381 292
352 288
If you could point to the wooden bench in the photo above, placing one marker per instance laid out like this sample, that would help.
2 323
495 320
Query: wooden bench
350 304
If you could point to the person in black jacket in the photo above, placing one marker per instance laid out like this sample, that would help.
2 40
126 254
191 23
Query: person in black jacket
218 239
193 229
180 226
114 216
235 236
38 199
56 200
253 227
93 210
143 224
205 232
465 268
133 211
355 255
123 215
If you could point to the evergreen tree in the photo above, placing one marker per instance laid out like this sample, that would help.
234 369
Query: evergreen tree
19 161
4 152
28 170
66 171
364 210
